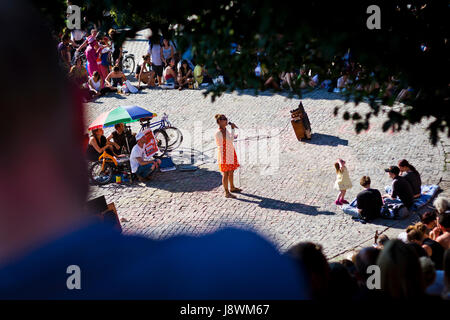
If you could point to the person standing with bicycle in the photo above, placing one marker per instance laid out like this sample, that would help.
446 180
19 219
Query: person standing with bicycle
226 155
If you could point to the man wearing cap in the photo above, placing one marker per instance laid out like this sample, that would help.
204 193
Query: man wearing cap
139 166
401 189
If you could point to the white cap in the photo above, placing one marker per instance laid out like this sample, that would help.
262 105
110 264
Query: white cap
140 135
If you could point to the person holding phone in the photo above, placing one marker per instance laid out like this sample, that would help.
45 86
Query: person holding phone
226 155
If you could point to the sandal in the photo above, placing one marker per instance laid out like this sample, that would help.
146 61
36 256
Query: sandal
236 190
229 195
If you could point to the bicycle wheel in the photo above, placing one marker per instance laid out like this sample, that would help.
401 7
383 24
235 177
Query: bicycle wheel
128 66
175 137
161 138
99 176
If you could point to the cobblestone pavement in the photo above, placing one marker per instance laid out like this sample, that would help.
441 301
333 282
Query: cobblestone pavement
288 198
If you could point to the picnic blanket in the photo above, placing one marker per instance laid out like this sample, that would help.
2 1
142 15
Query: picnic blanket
398 211
167 164
427 193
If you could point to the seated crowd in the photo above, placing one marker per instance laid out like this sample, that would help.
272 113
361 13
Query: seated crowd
415 266
102 73
401 195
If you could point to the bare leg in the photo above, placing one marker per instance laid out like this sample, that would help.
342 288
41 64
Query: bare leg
343 195
225 181
231 180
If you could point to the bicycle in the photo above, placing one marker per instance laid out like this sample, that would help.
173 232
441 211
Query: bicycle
128 63
102 171
165 129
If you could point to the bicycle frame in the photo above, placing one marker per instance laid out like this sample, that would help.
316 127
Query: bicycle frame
161 124
105 157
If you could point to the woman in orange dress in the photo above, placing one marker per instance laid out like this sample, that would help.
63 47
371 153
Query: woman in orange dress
226 155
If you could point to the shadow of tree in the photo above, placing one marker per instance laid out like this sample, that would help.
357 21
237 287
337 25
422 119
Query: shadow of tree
275 204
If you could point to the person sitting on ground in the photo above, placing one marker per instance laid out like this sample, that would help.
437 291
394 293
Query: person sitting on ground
119 137
115 78
381 241
441 204
401 189
78 73
341 83
411 175
287 80
98 87
170 73
273 82
145 74
97 145
143 169
418 234
185 76
429 219
444 224
201 75
368 202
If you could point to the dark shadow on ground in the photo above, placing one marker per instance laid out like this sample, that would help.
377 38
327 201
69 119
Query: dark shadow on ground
401 223
188 181
322 139
274 204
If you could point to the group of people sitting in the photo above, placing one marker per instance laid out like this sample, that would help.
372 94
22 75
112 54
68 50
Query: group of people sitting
405 271
162 66
123 143
405 189
118 143
414 266
102 72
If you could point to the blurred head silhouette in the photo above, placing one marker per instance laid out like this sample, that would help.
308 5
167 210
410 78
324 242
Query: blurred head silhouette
43 180
401 274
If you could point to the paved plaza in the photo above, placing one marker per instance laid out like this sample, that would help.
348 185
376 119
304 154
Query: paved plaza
288 192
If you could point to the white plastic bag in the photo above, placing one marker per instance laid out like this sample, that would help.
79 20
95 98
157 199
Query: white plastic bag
130 87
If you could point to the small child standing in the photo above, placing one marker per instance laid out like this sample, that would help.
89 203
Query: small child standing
342 181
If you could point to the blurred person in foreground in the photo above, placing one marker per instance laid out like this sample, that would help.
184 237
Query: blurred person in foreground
43 190
401 273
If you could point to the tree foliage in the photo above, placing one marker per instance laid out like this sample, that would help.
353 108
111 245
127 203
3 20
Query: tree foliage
314 34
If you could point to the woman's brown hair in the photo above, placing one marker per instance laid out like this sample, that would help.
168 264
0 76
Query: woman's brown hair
217 116
337 166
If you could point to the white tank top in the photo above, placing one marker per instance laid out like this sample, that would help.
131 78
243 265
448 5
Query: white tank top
96 85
